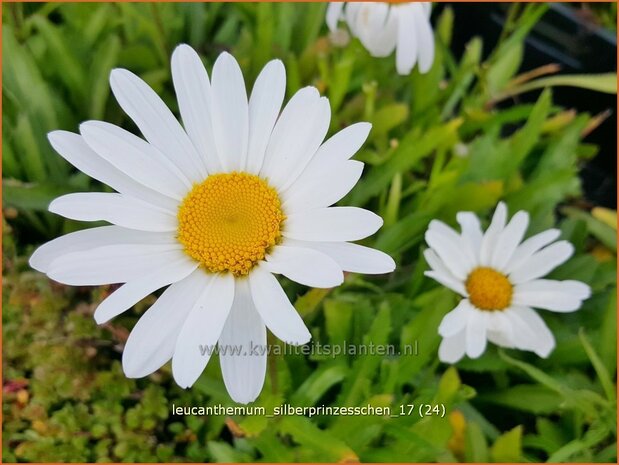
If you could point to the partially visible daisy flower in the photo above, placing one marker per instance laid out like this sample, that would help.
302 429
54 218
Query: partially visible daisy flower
499 277
383 28
214 210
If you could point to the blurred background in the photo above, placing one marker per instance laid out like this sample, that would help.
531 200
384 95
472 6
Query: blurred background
520 106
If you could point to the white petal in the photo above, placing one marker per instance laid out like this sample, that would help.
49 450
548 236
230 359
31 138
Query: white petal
451 249
243 347
500 330
275 309
88 239
492 234
230 112
471 232
441 273
456 320
111 264
476 333
156 122
332 224
74 149
264 106
452 348
116 208
352 257
193 91
425 39
542 262
305 266
509 239
202 329
530 331
153 338
407 46
135 290
322 186
298 133
334 13
135 157
377 28
558 296
343 144
534 243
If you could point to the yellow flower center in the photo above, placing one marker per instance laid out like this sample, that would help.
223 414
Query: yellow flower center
488 289
229 221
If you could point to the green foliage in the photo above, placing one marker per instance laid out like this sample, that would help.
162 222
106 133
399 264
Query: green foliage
440 144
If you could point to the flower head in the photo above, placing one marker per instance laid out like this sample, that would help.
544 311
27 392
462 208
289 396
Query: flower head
383 28
212 210
499 277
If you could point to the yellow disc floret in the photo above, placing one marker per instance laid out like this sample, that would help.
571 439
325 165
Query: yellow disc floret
229 221
489 289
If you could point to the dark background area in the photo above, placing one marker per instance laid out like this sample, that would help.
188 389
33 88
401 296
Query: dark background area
569 36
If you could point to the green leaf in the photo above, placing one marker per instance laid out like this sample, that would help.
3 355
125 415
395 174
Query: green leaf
508 447
318 445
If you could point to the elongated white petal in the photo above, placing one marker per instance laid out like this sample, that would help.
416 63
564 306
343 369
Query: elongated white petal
332 224
492 234
111 264
275 309
322 186
92 238
471 232
135 290
298 133
534 243
407 47
230 112
451 250
452 348
157 123
542 262
476 333
447 281
193 91
509 239
135 157
442 274
334 13
456 320
265 104
377 28
243 347
343 144
558 296
467 255
305 266
202 330
530 331
76 151
425 39
153 338
500 330
352 257
116 208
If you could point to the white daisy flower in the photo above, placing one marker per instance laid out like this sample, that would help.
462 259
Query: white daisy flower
383 28
499 277
213 210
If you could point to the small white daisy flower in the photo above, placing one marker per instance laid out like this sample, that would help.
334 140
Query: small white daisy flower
214 210
383 28
498 276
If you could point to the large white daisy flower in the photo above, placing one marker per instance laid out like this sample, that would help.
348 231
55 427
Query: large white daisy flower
383 28
213 210
498 276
